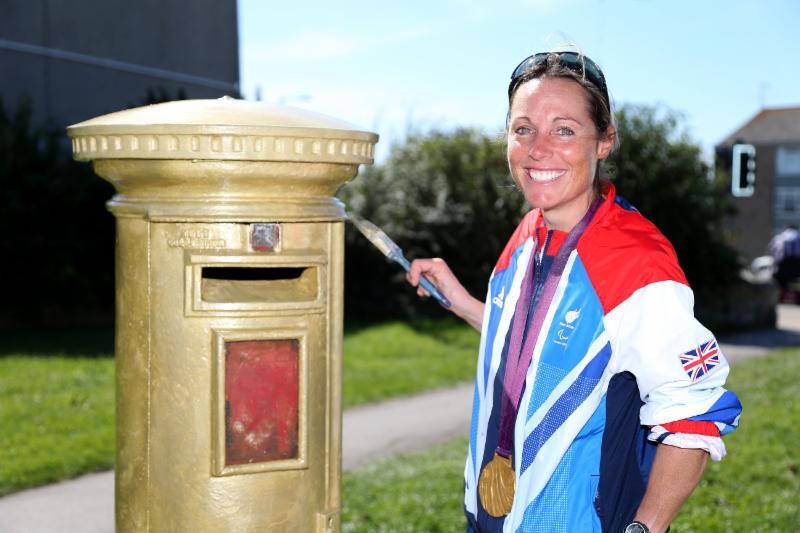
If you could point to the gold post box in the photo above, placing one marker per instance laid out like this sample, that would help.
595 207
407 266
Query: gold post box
229 263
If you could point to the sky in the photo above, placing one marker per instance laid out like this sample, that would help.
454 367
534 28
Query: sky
418 65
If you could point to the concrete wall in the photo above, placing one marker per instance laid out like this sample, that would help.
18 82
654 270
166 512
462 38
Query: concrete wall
80 59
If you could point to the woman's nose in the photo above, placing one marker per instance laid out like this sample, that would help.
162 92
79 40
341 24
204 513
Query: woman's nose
539 148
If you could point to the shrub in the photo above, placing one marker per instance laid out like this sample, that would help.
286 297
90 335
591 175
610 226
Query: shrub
58 246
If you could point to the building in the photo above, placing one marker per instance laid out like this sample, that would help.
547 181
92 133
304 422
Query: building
75 60
775 202
80 59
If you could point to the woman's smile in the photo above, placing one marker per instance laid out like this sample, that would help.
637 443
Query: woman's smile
545 175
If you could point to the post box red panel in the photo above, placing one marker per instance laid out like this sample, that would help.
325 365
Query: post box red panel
261 400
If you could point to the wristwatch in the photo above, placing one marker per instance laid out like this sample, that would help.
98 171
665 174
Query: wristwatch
636 527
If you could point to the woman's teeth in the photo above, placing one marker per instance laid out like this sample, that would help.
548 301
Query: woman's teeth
544 175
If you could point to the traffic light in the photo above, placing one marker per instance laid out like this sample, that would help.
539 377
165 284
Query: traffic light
743 170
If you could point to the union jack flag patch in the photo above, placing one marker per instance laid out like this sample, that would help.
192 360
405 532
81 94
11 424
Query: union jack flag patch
698 362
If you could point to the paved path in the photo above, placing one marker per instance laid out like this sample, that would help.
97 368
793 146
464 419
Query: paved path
86 504
417 422
761 341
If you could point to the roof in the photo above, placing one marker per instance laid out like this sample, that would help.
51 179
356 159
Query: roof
769 126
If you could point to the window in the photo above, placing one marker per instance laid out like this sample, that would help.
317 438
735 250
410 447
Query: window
787 161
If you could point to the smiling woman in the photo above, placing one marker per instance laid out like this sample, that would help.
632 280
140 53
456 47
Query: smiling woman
589 414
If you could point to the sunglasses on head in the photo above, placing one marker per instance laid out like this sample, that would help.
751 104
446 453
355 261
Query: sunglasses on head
578 63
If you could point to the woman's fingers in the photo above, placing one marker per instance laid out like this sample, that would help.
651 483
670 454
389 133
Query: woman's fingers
439 274
436 272
418 268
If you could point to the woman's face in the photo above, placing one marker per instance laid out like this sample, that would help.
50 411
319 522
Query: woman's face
553 149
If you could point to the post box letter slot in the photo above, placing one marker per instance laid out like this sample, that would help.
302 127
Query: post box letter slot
261 400
258 284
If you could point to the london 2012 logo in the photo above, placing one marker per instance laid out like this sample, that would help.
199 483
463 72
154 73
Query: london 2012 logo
567 326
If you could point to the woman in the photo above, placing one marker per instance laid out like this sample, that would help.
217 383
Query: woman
598 395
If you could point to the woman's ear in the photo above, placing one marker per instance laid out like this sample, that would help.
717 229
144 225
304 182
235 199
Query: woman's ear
606 144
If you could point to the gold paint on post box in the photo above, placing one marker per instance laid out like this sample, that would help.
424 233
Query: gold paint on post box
192 178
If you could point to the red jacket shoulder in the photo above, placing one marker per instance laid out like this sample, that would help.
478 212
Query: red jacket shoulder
525 230
623 252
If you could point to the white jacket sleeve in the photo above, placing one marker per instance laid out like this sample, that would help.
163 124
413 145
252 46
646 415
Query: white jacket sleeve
677 362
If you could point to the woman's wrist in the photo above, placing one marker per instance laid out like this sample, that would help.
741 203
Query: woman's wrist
471 311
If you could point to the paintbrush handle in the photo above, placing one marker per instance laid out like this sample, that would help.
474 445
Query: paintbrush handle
425 282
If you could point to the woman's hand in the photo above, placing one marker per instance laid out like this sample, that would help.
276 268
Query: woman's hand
437 271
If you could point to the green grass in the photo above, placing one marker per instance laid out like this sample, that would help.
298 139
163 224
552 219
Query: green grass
56 389
399 358
755 488
419 492
57 419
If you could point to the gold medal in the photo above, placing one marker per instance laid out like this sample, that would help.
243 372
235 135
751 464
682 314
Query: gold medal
496 486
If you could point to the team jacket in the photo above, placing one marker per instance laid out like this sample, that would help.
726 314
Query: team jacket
620 364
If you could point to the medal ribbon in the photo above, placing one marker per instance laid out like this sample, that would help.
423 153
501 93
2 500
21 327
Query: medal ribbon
523 339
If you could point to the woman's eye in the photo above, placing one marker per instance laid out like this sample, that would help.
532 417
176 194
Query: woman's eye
565 131
522 130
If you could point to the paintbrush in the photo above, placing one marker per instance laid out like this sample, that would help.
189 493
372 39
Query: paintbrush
389 248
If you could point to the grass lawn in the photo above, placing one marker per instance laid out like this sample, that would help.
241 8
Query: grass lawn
398 358
57 403
413 493
755 488
57 418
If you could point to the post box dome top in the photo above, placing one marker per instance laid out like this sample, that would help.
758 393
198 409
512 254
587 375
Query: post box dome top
223 129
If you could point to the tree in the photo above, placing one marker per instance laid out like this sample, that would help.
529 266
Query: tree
58 246
58 252
445 194
660 171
